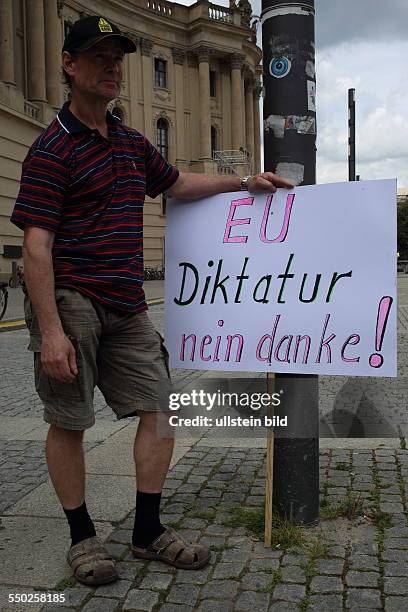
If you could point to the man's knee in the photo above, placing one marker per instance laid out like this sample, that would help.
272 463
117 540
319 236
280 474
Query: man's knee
157 423
60 432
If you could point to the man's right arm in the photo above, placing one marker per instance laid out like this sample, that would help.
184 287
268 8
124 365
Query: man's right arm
57 352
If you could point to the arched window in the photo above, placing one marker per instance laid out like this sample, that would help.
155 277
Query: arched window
213 140
162 137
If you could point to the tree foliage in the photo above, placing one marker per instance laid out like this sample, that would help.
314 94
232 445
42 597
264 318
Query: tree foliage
402 229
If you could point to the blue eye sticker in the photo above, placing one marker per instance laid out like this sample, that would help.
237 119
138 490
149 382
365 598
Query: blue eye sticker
279 67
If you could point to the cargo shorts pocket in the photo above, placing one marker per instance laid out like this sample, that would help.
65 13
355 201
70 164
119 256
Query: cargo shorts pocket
165 353
50 389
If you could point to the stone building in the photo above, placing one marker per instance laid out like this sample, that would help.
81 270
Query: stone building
192 88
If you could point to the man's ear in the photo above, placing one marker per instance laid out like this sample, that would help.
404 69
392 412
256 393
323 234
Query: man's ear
67 63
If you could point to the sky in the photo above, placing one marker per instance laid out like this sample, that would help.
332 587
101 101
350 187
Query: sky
360 44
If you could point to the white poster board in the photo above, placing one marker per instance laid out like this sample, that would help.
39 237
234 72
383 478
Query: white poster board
301 281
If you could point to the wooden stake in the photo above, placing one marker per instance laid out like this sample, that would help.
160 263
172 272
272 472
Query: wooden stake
269 466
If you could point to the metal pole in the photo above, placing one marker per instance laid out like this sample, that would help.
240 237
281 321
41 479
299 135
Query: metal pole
290 150
352 133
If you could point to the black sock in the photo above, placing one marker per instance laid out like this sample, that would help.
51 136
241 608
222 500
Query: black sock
80 524
147 520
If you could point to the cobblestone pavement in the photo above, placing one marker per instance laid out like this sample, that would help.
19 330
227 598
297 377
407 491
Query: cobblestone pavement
341 564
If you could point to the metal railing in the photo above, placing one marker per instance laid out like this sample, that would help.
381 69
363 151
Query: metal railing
228 159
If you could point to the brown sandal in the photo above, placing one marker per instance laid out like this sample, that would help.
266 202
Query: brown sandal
91 562
172 549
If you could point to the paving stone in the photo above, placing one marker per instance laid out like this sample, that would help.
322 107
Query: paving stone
213 605
220 589
75 596
180 593
291 559
192 577
330 566
249 600
283 606
103 604
396 586
289 592
362 579
364 562
396 604
364 598
252 582
263 565
325 603
399 556
259 550
293 573
228 570
396 569
156 581
168 607
115 589
138 599
326 584
129 570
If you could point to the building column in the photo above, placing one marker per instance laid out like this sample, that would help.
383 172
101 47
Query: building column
146 47
178 59
249 119
35 51
257 90
52 53
236 100
205 104
6 42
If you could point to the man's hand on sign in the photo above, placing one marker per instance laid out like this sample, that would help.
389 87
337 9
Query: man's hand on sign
267 181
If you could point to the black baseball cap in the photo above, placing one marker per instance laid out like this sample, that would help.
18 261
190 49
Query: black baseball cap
88 31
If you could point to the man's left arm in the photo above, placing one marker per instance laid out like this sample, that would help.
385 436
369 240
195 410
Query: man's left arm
191 185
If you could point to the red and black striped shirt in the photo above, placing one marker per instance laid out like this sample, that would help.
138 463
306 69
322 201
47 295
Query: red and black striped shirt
90 192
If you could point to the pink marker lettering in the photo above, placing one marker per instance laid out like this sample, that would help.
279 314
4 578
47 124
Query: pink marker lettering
286 218
231 221
376 360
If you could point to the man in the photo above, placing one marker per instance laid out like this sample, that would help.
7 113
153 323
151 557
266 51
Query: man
81 205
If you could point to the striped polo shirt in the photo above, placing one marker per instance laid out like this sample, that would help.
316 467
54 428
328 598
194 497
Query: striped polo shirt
90 192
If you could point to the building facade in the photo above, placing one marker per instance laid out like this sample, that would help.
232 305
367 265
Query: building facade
192 88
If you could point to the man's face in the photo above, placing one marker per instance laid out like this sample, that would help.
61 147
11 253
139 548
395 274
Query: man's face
98 71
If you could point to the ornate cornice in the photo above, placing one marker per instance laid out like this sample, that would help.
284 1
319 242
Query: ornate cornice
203 54
146 47
178 55
237 60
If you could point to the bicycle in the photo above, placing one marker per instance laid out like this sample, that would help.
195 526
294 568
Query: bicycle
3 299
20 279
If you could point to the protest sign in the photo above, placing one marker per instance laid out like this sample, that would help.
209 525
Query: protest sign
300 281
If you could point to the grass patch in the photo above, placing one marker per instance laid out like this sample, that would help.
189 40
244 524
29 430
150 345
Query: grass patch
65 583
207 515
303 604
382 520
221 547
350 507
276 579
342 466
284 534
317 549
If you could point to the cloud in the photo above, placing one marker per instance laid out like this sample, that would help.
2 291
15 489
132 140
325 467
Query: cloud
356 20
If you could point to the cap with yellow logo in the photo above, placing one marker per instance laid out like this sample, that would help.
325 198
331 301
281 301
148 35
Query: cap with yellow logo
88 31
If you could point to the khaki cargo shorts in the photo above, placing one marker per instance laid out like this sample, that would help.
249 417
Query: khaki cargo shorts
120 353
